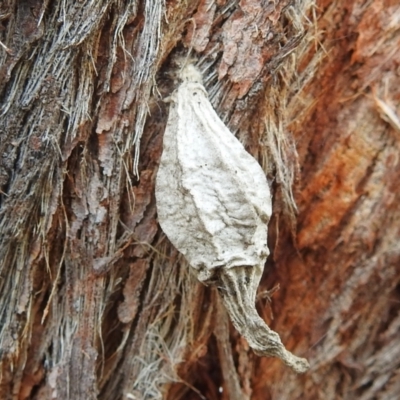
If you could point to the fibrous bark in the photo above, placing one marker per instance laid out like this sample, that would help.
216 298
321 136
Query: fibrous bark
94 301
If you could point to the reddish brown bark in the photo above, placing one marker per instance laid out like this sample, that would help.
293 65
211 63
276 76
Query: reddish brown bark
94 301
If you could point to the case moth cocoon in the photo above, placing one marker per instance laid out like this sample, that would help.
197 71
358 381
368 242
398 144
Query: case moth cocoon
214 204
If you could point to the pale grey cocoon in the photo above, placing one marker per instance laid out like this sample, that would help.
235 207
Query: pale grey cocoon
214 204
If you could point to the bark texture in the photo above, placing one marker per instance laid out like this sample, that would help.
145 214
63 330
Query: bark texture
94 301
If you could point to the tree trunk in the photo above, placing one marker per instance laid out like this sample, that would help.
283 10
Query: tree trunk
94 300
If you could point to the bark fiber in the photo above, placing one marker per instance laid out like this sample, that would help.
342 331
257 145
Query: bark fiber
95 303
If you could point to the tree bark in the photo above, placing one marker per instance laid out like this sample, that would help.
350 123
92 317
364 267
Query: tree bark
94 300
